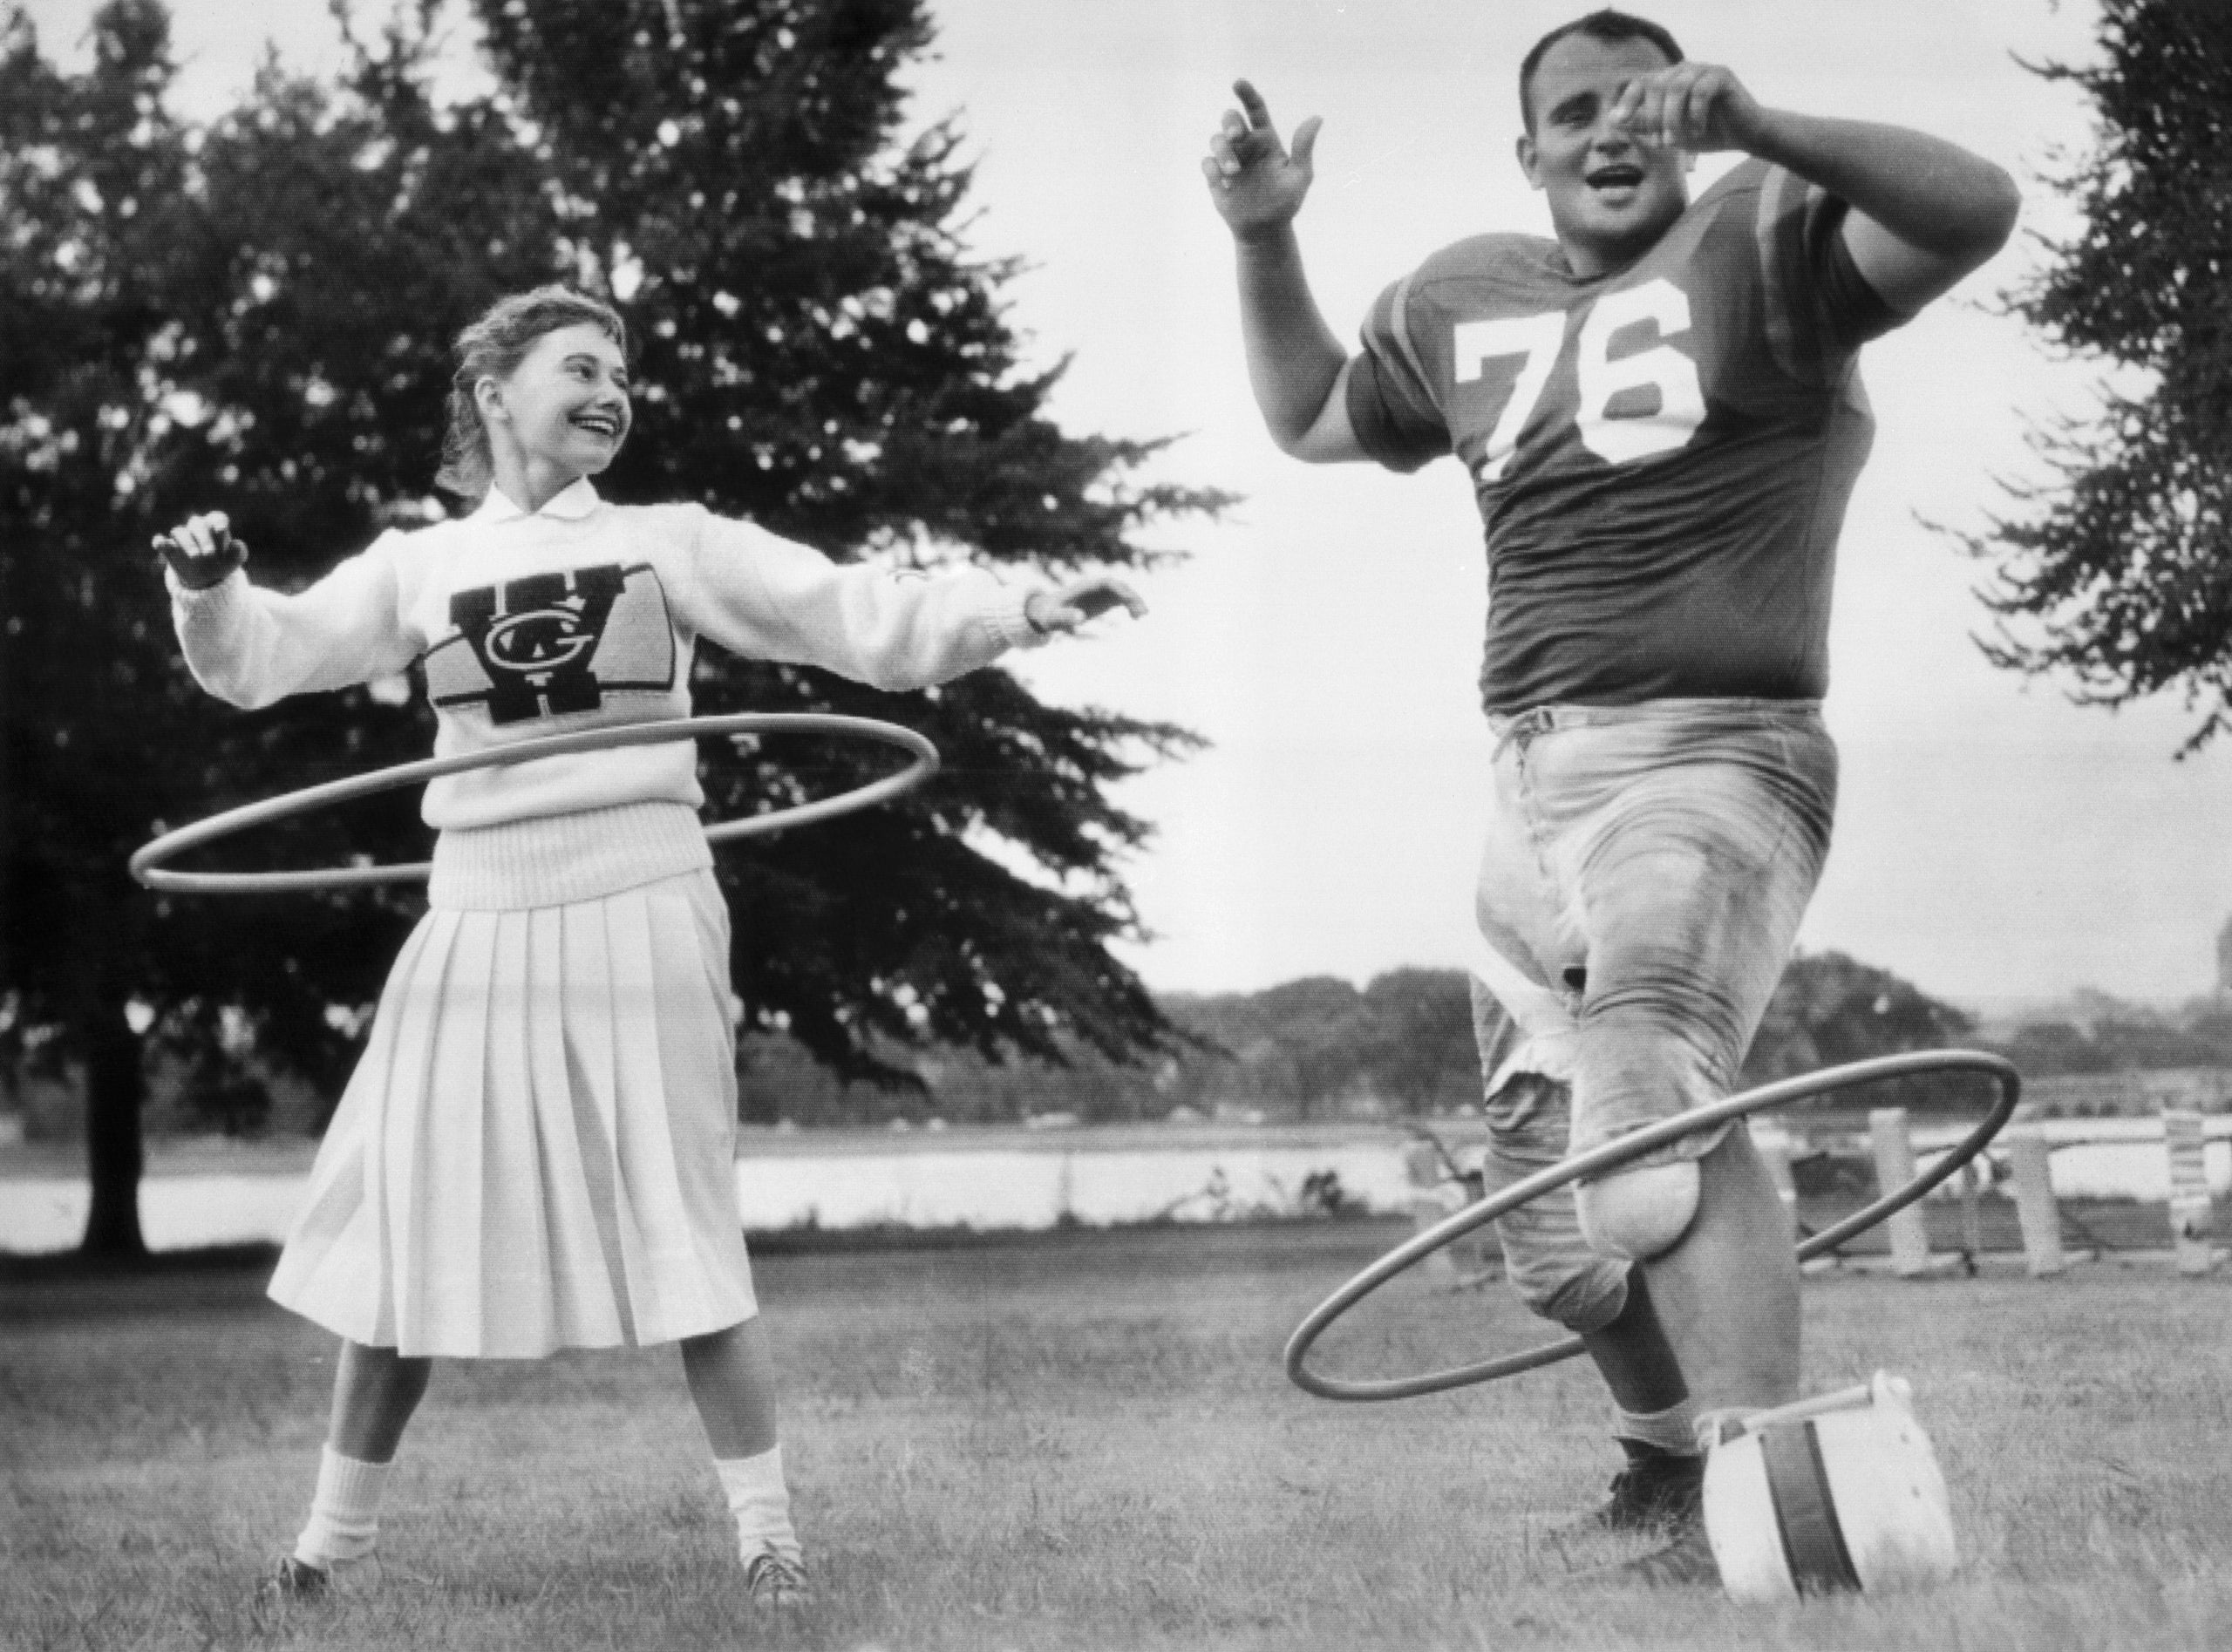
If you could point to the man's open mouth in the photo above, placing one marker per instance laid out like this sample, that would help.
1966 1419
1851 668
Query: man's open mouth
1615 177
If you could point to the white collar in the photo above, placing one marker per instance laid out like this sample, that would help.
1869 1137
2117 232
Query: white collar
569 504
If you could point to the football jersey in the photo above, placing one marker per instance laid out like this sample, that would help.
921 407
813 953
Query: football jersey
1661 455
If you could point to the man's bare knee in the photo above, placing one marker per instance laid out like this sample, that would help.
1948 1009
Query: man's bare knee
1640 1211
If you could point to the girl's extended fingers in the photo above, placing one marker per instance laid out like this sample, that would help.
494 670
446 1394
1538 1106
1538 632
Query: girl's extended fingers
1251 102
1096 596
1221 155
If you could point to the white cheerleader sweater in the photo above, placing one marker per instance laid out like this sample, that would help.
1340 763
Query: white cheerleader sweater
578 616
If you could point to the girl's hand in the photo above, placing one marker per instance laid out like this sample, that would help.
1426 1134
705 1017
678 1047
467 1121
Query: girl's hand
201 550
1067 606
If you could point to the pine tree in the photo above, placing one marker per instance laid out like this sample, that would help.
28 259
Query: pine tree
2117 577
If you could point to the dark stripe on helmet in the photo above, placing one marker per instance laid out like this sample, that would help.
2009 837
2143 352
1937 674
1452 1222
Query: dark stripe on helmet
1806 1514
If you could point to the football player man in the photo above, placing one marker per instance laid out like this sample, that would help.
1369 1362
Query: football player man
1661 411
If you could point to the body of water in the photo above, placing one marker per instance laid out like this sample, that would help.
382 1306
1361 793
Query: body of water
1008 1186
1027 1187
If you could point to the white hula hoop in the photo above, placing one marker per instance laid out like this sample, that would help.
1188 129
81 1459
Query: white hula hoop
148 864
1806 1087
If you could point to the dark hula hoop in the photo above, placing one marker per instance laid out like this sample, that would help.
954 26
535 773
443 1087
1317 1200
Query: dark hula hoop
1806 1087
149 866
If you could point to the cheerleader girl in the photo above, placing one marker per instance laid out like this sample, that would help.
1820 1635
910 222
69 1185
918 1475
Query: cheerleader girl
536 1149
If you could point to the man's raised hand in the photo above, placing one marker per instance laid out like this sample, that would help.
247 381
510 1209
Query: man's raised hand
1256 183
1696 106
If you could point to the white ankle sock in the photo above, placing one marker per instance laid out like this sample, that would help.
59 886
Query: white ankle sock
760 1501
344 1519
1673 1430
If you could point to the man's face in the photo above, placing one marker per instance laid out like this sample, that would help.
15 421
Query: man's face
1609 196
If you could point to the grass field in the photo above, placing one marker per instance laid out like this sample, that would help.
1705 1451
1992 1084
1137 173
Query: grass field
1085 1442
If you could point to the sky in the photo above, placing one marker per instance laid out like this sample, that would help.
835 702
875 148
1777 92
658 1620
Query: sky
1996 844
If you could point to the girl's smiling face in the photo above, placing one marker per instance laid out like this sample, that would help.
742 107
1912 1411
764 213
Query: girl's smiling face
562 413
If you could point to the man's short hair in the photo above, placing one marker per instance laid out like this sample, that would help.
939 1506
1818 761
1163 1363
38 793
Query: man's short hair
1607 26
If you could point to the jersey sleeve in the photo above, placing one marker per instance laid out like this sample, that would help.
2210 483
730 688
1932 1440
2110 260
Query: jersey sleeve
1392 407
766 597
250 646
1819 308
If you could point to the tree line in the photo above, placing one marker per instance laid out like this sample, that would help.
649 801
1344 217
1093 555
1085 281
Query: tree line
1318 1049
1403 1046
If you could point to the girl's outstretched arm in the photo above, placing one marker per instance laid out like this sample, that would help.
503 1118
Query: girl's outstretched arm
766 597
250 647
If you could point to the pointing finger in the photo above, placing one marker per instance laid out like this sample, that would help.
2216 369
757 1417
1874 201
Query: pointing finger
1259 113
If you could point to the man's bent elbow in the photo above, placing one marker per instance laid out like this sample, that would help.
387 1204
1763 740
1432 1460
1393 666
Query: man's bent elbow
1294 441
1323 435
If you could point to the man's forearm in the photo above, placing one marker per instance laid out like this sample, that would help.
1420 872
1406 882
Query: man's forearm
1934 195
1293 358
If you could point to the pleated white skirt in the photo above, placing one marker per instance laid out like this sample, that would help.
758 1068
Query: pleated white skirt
537 1148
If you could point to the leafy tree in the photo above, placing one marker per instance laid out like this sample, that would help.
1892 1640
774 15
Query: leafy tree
1828 1009
257 318
2121 578
1422 1053
821 353
105 264
2043 1049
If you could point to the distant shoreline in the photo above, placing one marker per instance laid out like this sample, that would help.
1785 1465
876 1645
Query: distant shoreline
222 1155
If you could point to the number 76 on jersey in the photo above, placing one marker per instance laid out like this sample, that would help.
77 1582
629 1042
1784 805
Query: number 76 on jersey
1625 408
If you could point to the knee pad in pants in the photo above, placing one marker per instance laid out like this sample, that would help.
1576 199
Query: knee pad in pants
1640 1211
1546 1258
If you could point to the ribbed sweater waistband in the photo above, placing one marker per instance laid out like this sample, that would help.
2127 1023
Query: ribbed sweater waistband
555 859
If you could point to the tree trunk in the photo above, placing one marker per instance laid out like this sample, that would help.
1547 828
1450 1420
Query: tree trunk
115 1085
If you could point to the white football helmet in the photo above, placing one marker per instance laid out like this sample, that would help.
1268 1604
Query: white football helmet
1840 1491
